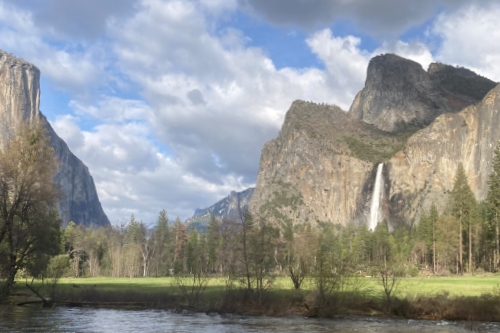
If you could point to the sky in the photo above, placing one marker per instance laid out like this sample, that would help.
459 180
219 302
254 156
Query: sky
169 102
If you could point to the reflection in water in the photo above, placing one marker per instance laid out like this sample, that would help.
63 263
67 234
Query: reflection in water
86 320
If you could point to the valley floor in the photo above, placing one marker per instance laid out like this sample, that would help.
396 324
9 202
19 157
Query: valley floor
472 298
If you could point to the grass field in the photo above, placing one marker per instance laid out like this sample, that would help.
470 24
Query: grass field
450 298
455 286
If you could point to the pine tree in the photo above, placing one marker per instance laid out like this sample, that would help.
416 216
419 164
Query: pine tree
161 244
424 232
213 242
179 245
433 217
493 204
192 252
463 207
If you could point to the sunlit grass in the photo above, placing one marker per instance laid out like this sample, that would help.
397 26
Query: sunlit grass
455 286
451 298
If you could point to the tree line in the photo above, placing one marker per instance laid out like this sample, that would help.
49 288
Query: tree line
463 239
253 249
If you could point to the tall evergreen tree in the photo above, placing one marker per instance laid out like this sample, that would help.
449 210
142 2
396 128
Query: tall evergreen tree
424 232
433 218
180 245
213 242
161 240
493 205
463 207
193 252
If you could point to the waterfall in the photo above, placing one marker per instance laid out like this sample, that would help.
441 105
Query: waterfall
376 197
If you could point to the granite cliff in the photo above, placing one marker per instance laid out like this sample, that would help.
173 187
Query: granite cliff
420 124
399 94
422 173
19 104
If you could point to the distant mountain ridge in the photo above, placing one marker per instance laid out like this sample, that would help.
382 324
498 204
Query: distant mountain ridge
227 207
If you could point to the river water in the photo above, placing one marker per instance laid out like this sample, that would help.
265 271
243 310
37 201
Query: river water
86 320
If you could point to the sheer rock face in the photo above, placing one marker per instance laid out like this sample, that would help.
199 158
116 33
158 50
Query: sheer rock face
307 174
399 94
322 165
19 94
19 103
423 172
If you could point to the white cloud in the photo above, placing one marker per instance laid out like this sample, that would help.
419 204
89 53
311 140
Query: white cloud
71 66
219 6
204 101
471 38
66 126
345 62
167 49
210 103
132 175
113 109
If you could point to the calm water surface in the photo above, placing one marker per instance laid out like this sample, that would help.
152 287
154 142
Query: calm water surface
86 320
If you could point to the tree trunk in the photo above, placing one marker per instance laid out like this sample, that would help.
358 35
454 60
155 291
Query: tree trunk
470 247
7 287
497 245
433 249
460 261
245 258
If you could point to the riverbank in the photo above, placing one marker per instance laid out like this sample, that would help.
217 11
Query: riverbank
17 319
456 298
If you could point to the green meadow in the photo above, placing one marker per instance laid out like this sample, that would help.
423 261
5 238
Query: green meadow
449 298
454 286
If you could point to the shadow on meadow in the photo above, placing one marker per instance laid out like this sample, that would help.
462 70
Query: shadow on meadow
202 296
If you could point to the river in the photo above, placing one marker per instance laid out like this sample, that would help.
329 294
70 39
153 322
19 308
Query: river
86 320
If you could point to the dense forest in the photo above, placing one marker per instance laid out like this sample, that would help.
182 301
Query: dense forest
463 239
252 248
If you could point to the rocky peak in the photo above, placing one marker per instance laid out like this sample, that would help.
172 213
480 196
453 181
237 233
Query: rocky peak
398 94
461 85
227 207
420 124
19 94
19 103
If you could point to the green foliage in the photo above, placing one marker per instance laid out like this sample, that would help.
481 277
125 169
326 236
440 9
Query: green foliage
463 203
427 227
285 198
29 225
256 248
58 266
214 240
464 208
162 244
493 196
280 200
492 209
379 147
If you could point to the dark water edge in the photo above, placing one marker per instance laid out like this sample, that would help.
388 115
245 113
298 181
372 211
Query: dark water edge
87 320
